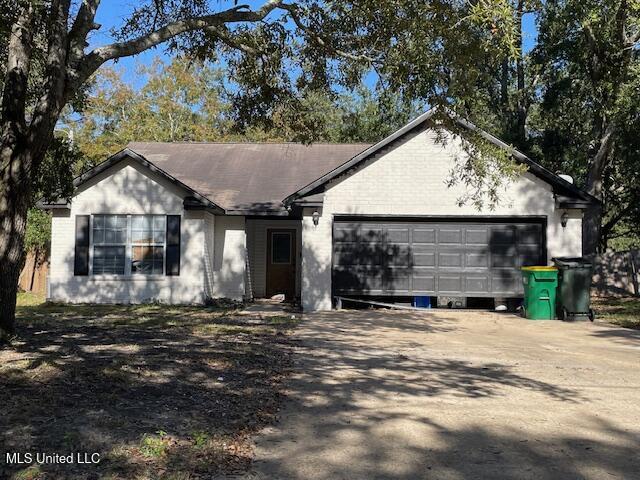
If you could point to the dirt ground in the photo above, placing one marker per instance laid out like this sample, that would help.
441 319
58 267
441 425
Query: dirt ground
157 391
456 395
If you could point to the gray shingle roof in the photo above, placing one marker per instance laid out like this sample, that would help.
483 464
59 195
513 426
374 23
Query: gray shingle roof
246 176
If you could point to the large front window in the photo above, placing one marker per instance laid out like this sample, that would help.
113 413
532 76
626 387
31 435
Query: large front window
128 244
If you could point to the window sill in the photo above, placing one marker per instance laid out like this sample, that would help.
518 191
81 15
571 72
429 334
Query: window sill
128 278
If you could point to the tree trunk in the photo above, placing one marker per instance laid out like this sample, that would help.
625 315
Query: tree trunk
592 220
14 203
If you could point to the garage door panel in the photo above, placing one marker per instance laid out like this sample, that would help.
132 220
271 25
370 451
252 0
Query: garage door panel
398 235
450 283
424 283
506 282
432 258
346 232
365 281
353 254
502 235
530 235
397 282
529 255
398 255
477 260
423 236
504 261
450 259
424 259
477 284
477 236
450 236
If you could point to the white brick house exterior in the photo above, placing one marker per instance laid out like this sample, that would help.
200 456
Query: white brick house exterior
208 268
224 249
409 179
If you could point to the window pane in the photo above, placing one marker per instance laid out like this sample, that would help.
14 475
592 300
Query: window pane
147 260
136 222
110 236
159 223
147 229
98 235
108 260
109 229
141 236
281 248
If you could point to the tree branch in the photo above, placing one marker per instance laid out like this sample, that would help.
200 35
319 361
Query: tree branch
239 13
617 217
82 25
295 16
50 104
598 162
223 34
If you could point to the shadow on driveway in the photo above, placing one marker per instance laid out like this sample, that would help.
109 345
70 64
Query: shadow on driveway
460 395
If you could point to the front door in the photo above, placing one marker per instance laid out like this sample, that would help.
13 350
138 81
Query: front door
281 262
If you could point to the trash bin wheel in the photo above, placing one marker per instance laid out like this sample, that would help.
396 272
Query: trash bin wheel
564 314
592 314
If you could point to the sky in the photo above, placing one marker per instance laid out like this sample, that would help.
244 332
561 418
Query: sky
112 13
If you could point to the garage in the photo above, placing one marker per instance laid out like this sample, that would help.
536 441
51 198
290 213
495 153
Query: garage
478 257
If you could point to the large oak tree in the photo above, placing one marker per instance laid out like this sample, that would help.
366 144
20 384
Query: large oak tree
46 64
274 51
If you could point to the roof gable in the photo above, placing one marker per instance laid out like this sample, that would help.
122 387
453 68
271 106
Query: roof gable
572 194
128 154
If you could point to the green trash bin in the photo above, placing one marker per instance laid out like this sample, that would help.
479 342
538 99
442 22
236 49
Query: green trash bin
540 285
574 288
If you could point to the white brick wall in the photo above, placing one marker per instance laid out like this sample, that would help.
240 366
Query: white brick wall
209 249
212 248
409 179
126 188
229 258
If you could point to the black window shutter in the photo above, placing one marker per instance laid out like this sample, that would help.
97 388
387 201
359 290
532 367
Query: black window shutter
173 245
81 261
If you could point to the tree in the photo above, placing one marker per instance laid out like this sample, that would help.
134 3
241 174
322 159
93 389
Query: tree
277 53
180 101
46 66
186 100
570 102
590 97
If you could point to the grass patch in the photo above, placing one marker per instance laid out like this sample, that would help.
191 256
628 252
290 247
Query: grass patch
153 446
101 378
29 299
623 311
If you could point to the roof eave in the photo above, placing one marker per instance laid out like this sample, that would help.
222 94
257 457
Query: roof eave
416 122
128 153
559 184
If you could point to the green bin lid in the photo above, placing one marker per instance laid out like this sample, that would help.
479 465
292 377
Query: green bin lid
572 262
539 269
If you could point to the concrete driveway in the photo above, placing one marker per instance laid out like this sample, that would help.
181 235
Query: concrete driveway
457 395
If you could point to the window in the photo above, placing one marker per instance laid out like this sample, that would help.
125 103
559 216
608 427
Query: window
128 244
110 241
281 247
147 238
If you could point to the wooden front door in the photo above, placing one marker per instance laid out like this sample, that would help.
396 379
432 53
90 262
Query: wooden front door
281 262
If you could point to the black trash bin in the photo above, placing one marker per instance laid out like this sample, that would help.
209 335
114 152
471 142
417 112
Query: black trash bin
574 288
